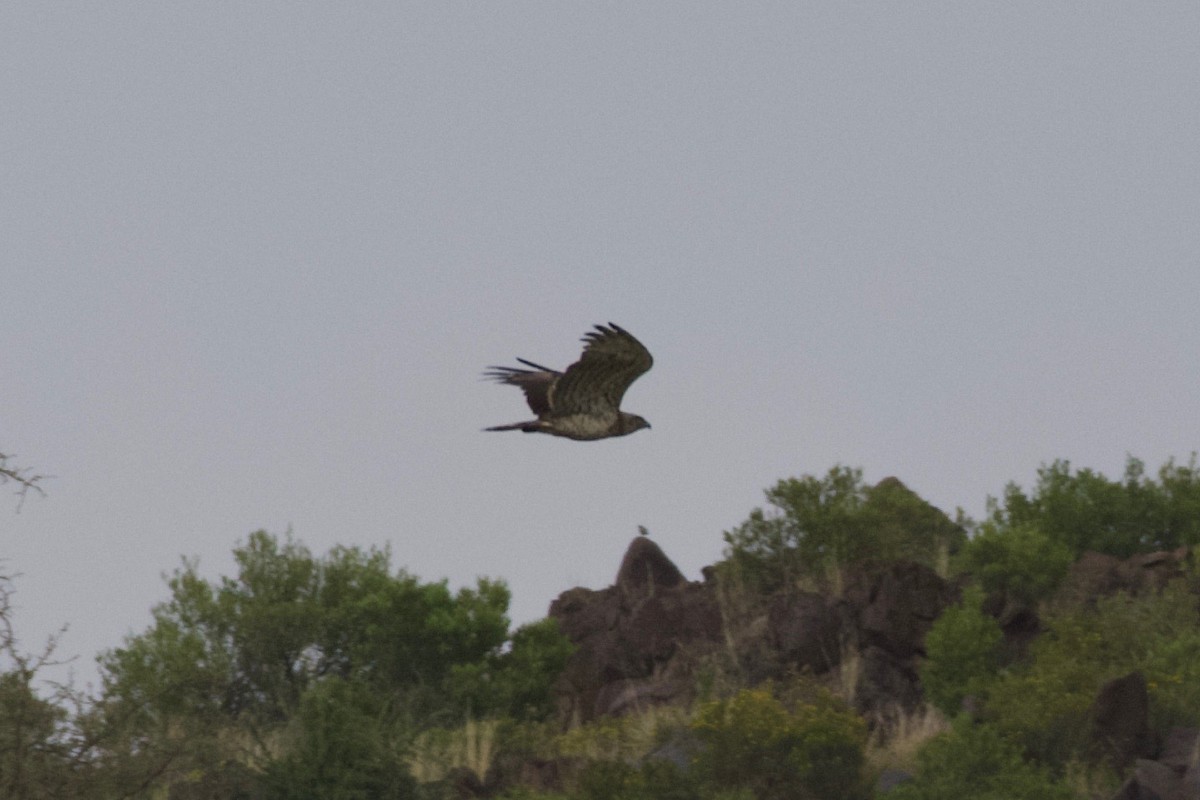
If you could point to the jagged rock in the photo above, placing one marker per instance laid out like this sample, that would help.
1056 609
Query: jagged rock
805 630
645 569
1096 575
1189 786
886 684
640 642
1153 781
581 612
897 604
1120 720
658 625
890 778
465 784
1092 575
637 641
1018 621
546 775
1181 748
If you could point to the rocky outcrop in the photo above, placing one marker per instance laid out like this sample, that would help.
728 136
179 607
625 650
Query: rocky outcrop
642 641
637 641
896 605
1153 780
807 631
647 639
1097 575
1174 775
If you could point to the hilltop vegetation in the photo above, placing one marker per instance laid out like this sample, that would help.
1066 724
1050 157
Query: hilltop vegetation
342 676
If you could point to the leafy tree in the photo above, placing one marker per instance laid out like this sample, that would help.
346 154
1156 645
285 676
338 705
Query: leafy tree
42 755
515 682
231 668
1083 510
1019 561
976 761
818 526
907 527
962 649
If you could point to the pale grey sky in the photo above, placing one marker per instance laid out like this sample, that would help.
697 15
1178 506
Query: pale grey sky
255 256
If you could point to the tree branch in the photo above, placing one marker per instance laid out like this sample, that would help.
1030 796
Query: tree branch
22 478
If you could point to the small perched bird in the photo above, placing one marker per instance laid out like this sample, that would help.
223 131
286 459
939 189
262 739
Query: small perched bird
582 403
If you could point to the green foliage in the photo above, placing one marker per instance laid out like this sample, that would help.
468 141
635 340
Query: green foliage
817 524
1020 561
752 741
30 763
962 649
820 525
1044 705
325 676
1086 511
650 780
904 526
342 747
252 645
515 682
308 651
523 793
43 752
977 762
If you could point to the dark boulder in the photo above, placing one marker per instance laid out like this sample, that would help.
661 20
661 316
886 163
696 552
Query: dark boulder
805 630
887 685
897 604
1181 749
1120 715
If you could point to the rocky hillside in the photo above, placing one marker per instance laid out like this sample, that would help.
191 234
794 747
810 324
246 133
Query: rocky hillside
653 638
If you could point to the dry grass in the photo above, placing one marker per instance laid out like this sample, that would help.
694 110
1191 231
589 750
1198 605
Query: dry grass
941 564
436 752
895 746
1092 780
626 738
846 675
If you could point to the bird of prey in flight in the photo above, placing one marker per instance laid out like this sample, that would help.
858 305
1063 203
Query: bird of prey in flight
582 403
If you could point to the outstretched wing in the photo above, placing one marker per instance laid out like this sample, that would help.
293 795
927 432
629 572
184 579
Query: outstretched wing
595 384
535 383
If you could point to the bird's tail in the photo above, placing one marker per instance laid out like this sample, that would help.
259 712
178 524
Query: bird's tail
533 426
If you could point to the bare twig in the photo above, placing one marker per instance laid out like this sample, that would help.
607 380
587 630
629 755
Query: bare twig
22 478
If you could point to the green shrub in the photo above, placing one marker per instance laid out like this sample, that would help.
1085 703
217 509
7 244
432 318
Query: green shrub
977 762
651 780
817 526
341 747
1019 561
962 651
1045 704
751 741
1086 511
